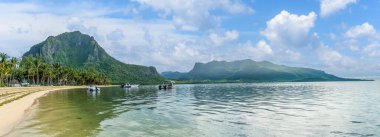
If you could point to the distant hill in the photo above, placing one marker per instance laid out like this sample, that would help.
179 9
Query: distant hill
173 75
250 71
78 50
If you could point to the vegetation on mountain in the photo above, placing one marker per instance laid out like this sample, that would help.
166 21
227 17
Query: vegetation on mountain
37 72
250 71
77 50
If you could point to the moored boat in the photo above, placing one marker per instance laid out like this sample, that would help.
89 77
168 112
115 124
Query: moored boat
93 88
167 85
127 85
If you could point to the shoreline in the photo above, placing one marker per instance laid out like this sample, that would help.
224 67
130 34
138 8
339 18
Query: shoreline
184 83
12 114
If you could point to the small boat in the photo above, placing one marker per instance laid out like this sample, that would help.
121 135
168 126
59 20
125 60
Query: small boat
167 85
93 88
127 85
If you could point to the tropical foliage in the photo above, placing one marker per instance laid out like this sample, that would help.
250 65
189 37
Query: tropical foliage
35 71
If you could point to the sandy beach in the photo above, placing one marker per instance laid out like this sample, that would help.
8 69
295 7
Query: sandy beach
15 102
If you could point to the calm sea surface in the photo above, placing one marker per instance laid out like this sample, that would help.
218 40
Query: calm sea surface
210 110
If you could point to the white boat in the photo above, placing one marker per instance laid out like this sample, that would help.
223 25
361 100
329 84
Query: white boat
135 86
127 85
167 85
93 88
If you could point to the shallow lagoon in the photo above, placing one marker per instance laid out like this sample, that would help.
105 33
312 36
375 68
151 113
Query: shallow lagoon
258 109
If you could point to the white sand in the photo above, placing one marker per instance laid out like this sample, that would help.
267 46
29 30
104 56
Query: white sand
13 113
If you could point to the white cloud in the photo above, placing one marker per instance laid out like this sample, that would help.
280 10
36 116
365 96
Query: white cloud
228 36
195 14
23 7
372 50
332 36
264 48
261 51
292 55
183 52
334 59
124 39
289 30
329 7
19 31
167 53
289 36
116 35
158 42
363 39
360 31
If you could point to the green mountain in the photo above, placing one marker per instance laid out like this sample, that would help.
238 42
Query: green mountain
249 71
173 75
78 50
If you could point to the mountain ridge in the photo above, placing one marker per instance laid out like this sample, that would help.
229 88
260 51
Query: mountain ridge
78 50
250 71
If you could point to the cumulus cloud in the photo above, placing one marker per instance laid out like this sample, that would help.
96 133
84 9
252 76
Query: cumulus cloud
289 30
195 14
372 50
363 30
334 59
76 24
261 51
292 55
19 30
167 53
124 39
116 35
264 48
364 39
228 36
289 36
19 7
180 52
161 41
329 7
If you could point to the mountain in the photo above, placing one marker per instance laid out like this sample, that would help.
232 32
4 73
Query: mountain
173 75
250 71
78 50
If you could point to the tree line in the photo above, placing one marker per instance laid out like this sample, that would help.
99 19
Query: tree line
35 71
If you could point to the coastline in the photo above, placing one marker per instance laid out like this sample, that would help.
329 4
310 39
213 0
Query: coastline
11 114
222 82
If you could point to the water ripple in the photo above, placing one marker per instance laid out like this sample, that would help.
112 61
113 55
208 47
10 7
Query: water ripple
258 109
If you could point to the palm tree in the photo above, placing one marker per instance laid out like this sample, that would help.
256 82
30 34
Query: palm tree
72 76
28 65
44 69
13 65
82 77
39 72
50 75
7 73
64 76
3 67
37 63
57 71
19 74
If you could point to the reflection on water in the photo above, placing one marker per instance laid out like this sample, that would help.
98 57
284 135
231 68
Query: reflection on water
260 109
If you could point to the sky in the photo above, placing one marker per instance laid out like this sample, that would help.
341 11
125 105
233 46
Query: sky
341 37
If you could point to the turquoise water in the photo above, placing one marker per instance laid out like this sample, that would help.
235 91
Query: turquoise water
212 110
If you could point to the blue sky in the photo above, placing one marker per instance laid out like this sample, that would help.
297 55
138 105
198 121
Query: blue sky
337 36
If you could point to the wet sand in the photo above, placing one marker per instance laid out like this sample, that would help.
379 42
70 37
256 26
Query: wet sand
16 101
